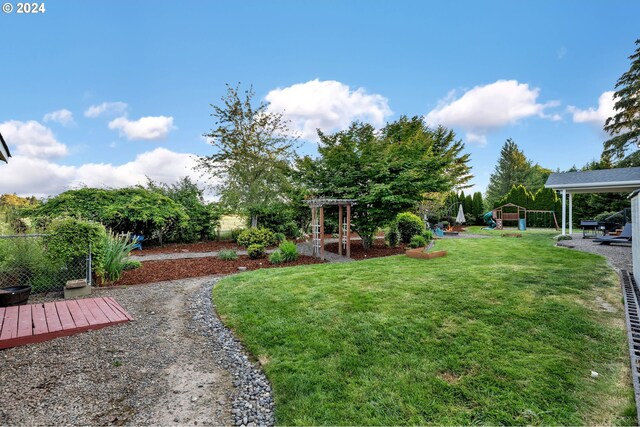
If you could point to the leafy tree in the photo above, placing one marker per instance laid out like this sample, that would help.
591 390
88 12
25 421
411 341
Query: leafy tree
513 169
252 155
443 143
624 126
387 173
15 201
123 210
203 218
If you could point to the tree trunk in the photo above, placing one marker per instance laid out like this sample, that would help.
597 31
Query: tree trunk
254 221
367 240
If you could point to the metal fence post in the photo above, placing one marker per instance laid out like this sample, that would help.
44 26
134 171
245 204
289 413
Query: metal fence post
89 266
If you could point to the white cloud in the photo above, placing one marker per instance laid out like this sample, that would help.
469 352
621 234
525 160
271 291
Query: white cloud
145 128
31 176
64 117
106 108
328 105
487 108
31 139
595 116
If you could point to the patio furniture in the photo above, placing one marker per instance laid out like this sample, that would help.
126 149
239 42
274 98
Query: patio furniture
624 237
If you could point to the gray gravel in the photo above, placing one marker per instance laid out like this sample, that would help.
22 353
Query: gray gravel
619 256
176 364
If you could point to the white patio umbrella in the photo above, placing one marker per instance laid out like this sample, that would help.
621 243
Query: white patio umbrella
460 217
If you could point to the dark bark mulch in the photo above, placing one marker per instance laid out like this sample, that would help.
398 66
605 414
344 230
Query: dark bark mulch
158 271
377 250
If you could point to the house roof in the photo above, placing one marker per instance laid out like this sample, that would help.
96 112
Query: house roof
618 180
4 150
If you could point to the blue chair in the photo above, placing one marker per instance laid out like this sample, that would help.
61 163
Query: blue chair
137 239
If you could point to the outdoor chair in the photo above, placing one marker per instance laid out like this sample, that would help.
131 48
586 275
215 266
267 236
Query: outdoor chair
137 239
623 237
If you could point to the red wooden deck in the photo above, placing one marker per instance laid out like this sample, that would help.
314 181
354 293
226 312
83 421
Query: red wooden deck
26 324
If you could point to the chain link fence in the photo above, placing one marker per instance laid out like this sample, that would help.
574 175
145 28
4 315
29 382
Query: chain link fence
24 261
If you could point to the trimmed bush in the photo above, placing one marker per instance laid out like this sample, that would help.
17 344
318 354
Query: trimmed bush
280 237
277 257
392 236
256 251
409 225
70 238
565 237
428 235
256 236
227 255
289 251
235 233
131 264
418 242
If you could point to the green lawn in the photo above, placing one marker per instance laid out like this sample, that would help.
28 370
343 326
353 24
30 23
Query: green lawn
501 331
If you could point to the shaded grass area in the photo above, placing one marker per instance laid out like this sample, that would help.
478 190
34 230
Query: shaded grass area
501 331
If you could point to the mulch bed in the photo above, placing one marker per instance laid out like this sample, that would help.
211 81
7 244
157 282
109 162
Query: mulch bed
170 248
377 250
158 271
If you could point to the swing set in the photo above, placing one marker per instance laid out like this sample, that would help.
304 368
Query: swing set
538 218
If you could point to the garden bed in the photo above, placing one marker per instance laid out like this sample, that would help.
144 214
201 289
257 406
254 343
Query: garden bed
158 271
377 250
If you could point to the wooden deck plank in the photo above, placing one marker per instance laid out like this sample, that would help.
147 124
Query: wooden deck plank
25 324
114 304
77 314
86 311
114 316
39 319
95 311
53 321
64 314
10 324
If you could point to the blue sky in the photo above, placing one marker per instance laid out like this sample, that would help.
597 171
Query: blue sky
102 93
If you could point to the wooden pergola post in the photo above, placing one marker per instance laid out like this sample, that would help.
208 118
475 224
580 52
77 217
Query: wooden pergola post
340 230
313 230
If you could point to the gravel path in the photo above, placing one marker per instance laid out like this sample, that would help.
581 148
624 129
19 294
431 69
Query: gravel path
176 364
183 255
619 256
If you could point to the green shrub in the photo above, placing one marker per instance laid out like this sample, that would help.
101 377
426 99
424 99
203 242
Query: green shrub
131 264
256 251
257 236
116 249
277 257
289 251
280 237
428 235
227 255
418 241
409 225
392 236
235 233
69 239
22 260
565 237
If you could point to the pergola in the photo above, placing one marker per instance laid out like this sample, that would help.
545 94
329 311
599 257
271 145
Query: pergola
619 180
317 224
4 150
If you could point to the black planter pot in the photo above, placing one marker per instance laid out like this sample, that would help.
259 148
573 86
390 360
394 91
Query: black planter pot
14 295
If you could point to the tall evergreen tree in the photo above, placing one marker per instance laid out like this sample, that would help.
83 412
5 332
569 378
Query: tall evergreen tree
624 126
512 169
